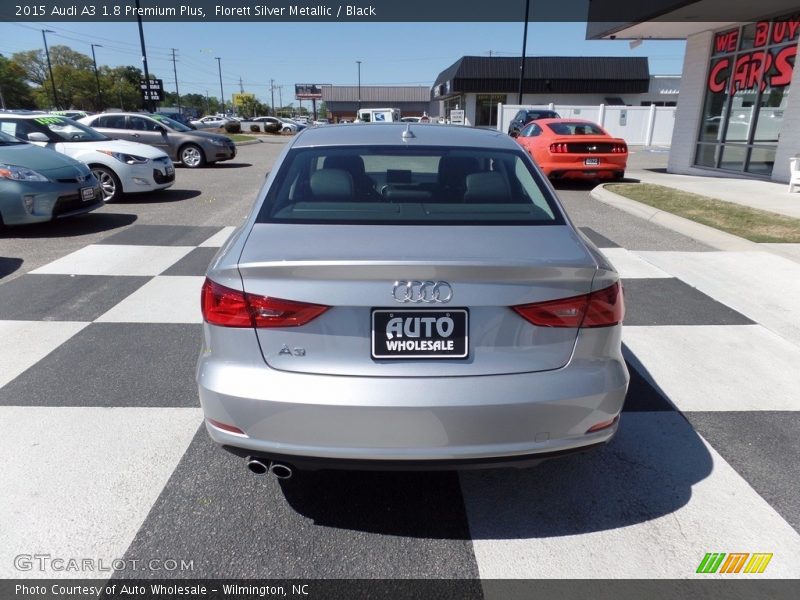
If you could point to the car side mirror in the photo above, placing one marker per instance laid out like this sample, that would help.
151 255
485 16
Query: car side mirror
38 136
514 134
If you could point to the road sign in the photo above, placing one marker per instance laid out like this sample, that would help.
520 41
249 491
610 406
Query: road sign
457 117
240 100
152 89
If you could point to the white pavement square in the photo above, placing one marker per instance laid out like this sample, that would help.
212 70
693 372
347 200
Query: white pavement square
110 259
218 239
760 285
163 299
660 498
718 367
79 482
631 266
27 342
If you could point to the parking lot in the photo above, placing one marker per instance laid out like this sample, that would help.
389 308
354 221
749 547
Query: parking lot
107 457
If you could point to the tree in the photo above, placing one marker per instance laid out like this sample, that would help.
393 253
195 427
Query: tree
14 91
73 74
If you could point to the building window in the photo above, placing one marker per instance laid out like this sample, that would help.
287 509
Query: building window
747 91
453 103
486 109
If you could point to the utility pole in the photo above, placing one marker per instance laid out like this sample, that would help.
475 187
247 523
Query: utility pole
221 91
50 66
97 77
175 72
241 86
359 88
524 49
208 104
147 103
280 96
272 92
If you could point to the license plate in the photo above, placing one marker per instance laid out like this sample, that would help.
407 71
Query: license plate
589 162
170 170
420 333
87 194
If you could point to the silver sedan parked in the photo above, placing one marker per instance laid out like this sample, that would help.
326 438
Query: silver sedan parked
409 297
190 147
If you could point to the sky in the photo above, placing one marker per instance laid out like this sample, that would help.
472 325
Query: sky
320 53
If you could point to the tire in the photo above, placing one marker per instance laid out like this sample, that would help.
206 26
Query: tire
110 186
192 156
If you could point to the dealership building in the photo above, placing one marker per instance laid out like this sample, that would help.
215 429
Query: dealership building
735 114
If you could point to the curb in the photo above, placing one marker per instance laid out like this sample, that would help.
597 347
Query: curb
247 143
697 231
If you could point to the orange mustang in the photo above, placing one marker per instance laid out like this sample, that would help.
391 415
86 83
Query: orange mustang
571 148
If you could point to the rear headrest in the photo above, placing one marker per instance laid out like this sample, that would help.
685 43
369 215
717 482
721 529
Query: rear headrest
454 169
331 185
487 186
352 163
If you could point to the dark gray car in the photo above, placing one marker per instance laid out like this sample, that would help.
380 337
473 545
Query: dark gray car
182 144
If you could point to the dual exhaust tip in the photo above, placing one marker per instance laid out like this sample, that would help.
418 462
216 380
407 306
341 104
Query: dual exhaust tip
260 467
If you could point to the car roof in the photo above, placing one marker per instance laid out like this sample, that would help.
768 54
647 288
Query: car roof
552 121
391 134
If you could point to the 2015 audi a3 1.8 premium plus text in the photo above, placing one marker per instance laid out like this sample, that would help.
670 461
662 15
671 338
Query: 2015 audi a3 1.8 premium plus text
409 297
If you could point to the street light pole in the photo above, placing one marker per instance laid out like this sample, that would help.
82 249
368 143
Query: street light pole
359 87
524 48
147 102
221 91
97 77
272 95
50 66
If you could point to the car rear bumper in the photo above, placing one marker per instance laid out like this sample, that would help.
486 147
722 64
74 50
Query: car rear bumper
410 421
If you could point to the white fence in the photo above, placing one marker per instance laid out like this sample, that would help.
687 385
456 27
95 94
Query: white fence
637 125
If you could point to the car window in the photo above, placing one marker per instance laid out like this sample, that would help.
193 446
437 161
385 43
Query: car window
110 121
402 185
530 130
8 140
142 124
66 130
171 123
569 128
19 129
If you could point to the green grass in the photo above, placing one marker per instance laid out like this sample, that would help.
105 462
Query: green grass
750 223
240 137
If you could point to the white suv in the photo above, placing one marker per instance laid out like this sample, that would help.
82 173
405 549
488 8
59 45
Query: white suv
120 167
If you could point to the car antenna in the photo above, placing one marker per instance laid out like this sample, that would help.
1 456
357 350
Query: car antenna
408 134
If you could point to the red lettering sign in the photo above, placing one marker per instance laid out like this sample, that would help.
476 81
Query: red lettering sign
784 65
718 78
762 34
726 41
785 31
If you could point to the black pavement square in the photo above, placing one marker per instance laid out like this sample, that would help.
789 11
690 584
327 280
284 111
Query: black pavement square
762 447
670 301
642 396
35 297
344 524
194 263
162 235
598 239
114 364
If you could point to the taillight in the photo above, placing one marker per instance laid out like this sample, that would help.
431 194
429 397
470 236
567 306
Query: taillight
602 308
560 148
619 148
232 308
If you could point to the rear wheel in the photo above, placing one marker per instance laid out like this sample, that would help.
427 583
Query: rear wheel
192 156
110 186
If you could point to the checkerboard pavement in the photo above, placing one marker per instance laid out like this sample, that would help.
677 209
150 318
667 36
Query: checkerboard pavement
106 456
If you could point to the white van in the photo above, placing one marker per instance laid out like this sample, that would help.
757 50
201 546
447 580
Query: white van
378 115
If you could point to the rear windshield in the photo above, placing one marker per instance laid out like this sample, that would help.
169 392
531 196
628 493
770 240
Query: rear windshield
568 128
408 185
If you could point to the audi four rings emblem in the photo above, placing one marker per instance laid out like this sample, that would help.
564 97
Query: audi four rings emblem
422 291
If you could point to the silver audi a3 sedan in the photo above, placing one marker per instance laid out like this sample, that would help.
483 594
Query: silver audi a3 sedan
409 296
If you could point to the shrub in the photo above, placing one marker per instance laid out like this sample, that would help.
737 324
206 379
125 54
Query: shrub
233 127
272 128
